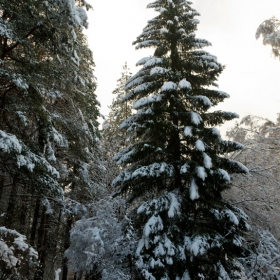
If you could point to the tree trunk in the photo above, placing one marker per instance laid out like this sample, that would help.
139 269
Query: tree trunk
66 246
42 244
34 223
177 154
9 218
23 214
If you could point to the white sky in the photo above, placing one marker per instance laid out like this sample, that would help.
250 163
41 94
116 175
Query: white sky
251 77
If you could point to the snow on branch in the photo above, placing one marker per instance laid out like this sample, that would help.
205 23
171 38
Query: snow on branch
9 143
168 202
14 250
148 100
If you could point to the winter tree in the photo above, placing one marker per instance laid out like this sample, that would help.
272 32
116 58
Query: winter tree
258 193
48 123
119 111
114 138
101 245
269 30
264 260
187 230
102 240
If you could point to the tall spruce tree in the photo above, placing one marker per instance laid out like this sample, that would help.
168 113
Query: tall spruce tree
114 138
188 230
119 111
48 124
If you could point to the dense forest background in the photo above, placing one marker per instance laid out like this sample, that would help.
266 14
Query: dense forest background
156 193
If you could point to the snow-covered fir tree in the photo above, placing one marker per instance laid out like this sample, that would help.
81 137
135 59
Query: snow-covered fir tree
114 138
187 230
119 111
48 123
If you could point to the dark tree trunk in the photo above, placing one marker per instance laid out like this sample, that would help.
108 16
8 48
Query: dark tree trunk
42 244
66 246
9 218
175 137
23 214
1 184
35 222
177 154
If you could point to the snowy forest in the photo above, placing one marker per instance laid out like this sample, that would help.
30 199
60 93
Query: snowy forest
152 192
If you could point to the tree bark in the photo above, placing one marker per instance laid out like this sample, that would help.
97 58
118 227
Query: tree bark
66 246
9 218
42 244
35 222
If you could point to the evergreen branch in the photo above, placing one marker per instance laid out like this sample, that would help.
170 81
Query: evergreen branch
7 50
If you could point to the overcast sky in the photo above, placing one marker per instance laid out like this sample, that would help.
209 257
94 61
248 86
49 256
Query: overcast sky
251 77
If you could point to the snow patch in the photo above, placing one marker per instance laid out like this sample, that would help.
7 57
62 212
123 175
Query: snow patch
9 143
142 87
184 84
232 217
158 71
154 170
200 145
216 132
194 190
223 94
159 250
181 31
147 100
135 82
147 43
143 60
163 30
186 276
223 275
169 86
184 168
242 167
196 118
153 225
223 174
201 173
206 101
174 206
152 62
56 273
207 161
188 131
